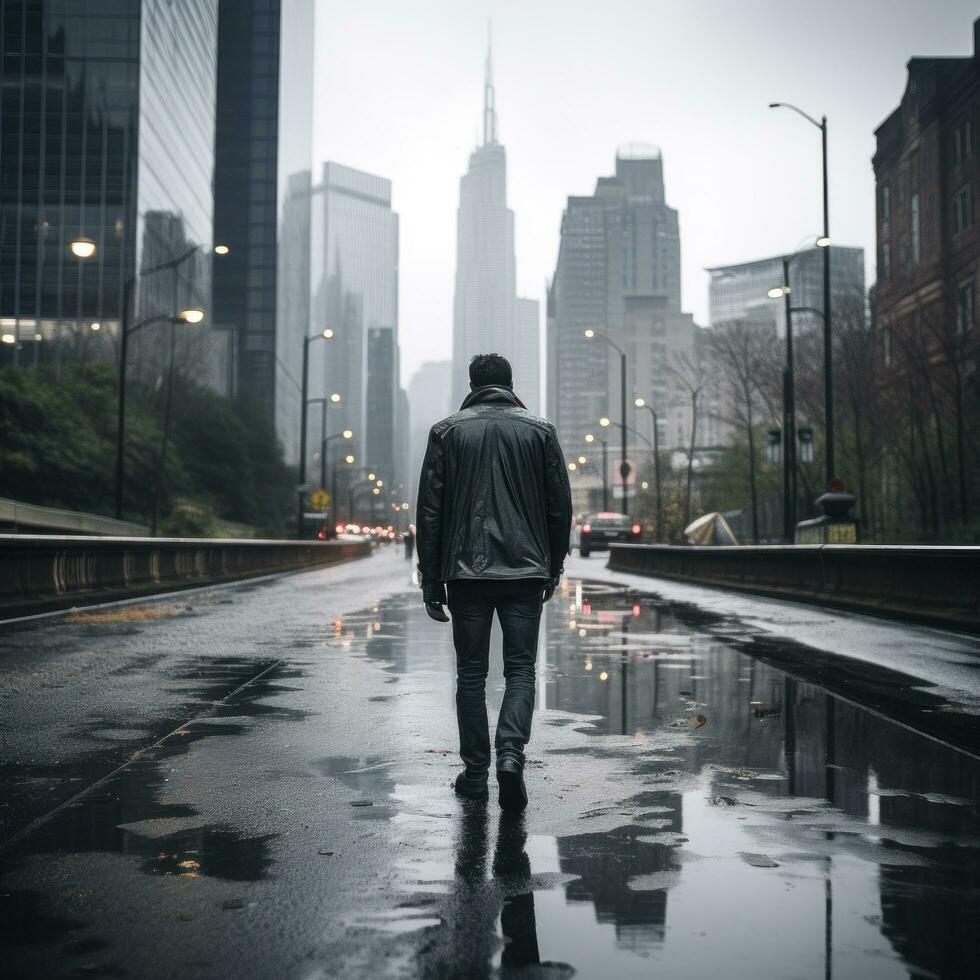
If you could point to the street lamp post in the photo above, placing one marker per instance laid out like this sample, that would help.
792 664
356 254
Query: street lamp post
789 421
325 334
322 402
624 466
641 403
605 469
605 423
184 316
324 443
828 355
790 473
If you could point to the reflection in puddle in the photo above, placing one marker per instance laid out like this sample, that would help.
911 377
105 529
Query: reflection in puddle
769 822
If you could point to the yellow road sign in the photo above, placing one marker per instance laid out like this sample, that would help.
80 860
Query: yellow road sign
319 500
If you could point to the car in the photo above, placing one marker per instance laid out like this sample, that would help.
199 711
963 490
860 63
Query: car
602 529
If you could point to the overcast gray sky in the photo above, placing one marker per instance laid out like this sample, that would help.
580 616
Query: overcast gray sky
399 89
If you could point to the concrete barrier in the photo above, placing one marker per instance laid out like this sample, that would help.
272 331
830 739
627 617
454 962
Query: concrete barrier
937 586
40 573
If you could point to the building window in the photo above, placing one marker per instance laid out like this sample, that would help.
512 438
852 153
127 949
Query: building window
963 142
886 261
963 208
886 202
886 346
915 240
964 306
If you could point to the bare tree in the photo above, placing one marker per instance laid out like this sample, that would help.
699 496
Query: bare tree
693 377
739 348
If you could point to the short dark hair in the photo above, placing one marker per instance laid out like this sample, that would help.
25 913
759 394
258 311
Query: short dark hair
490 369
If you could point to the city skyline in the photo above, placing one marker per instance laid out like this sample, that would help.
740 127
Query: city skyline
417 119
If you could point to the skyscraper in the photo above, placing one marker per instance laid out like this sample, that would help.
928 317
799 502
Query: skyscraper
487 316
104 137
619 273
262 169
354 266
737 292
428 399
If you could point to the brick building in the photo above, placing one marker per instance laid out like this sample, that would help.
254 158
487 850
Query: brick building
926 173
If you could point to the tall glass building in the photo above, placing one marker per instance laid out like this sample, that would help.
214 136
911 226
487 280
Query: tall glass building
737 292
262 171
354 267
106 135
488 316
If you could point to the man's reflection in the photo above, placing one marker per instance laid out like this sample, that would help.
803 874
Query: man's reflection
512 871
476 900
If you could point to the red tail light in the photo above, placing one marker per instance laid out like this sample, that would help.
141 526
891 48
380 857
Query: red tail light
586 528
636 529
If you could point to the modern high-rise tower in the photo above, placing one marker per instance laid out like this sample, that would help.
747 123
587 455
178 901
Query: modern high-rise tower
618 274
487 315
355 293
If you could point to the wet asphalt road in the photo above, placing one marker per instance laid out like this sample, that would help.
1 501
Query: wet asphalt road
253 781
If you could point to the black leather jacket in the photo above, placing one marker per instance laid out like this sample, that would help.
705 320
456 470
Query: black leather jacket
494 500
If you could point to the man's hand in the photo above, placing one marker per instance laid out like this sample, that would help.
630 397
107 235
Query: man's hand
551 586
434 597
435 611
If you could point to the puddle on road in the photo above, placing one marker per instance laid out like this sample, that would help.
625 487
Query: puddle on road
779 808
765 811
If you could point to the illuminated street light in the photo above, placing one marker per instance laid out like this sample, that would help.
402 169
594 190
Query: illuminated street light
347 434
590 334
590 438
191 315
604 422
639 402
376 491
221 249
778 292
8 338
350 459
582 460
404 506
335 398
96 326
823 242
381 483
326 333
370 476
82 247
572 467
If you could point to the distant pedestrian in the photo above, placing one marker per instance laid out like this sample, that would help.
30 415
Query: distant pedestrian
409 539
494 518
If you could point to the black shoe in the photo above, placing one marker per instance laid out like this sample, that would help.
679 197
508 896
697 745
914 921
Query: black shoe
510 781
471 787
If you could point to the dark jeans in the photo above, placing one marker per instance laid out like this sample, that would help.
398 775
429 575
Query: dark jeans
518 606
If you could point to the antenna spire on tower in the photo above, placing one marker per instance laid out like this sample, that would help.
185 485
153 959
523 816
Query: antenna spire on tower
489 96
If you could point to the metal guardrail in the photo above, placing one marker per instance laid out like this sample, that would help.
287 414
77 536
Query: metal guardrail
14 514
936 586
40 573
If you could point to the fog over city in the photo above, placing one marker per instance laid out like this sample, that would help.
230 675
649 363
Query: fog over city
489 489
399 92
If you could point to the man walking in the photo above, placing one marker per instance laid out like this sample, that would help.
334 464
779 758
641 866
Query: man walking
493 524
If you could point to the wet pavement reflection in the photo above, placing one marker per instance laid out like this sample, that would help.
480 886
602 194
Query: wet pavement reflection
703 802
753 799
